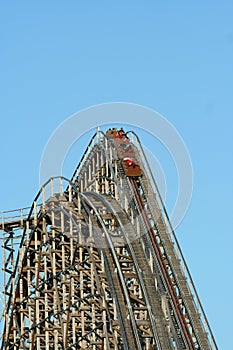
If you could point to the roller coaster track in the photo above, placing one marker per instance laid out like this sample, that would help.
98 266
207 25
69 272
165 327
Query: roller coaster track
95 264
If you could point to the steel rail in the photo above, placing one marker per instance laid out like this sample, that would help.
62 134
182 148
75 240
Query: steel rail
173 236
165 273
173 270
155 257
119 271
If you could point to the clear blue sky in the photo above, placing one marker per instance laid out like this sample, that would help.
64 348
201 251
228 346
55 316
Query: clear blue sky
176 57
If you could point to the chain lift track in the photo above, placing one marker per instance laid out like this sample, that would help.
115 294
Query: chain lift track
95 264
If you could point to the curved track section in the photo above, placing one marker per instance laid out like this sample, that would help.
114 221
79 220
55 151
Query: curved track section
98 265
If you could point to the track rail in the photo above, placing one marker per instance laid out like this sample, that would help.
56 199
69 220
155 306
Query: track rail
164 270
158 199
138 267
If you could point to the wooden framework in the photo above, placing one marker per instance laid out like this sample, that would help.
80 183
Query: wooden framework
98 265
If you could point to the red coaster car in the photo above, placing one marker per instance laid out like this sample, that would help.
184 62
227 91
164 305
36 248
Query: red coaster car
131 168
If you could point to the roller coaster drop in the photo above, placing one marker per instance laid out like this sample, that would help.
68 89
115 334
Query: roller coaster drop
97 265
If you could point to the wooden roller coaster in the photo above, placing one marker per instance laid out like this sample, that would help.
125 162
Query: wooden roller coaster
95 264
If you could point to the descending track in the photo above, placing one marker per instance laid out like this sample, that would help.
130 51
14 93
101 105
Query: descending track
98 264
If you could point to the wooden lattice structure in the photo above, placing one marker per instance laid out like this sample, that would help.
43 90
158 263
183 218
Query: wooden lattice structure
94 264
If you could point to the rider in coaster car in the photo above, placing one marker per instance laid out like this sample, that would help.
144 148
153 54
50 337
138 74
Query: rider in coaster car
129 161
121 134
